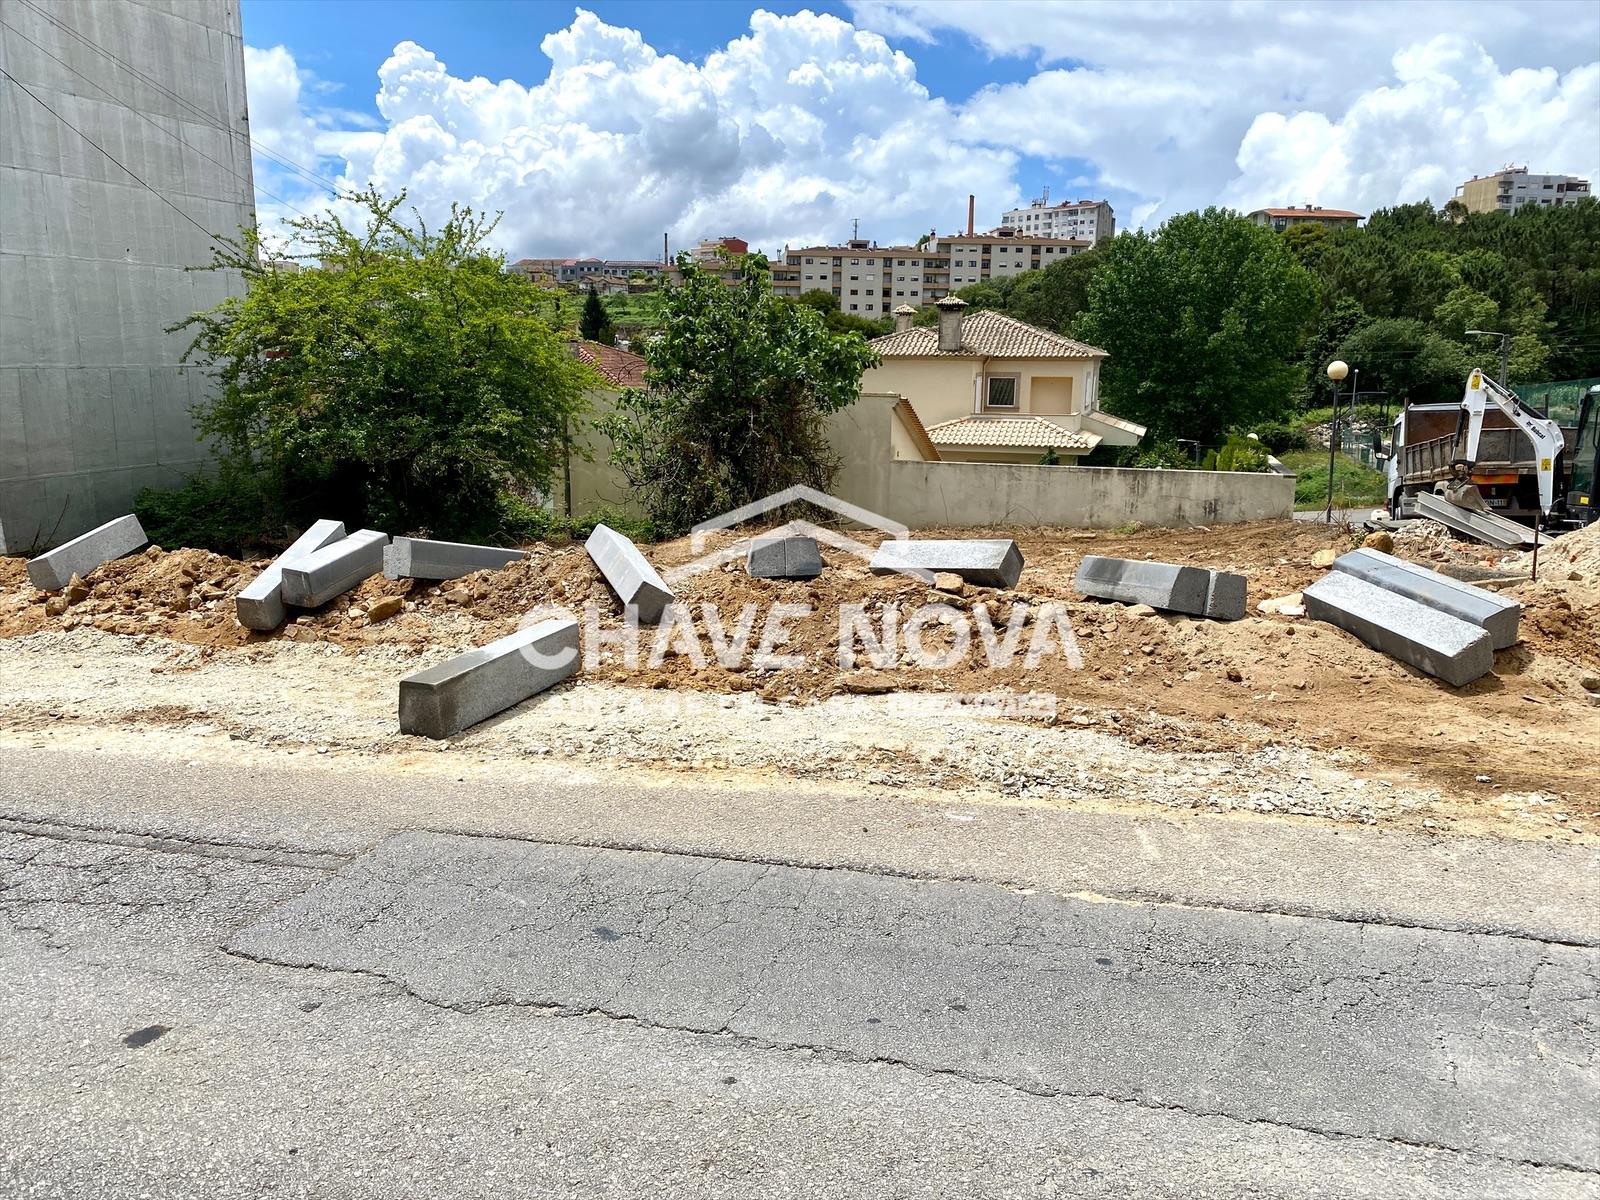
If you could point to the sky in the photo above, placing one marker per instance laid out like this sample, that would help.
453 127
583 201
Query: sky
596 129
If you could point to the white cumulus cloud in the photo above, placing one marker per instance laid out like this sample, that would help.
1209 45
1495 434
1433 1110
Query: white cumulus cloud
785 134
789 132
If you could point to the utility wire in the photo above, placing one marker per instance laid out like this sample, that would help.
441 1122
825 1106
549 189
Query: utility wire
152 121
204 117
21 86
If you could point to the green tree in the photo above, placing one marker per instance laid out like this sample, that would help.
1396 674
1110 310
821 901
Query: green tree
740 385
595 323
1202 322
404 383
1406 359
1054 297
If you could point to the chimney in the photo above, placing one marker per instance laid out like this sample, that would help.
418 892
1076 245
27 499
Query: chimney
972 208
902 318
950 309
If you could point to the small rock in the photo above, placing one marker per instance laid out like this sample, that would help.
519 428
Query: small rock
869 683
949 581
1589 683
1324 558
384 609
77 590
1140 610
1235 675
1381 540
55 606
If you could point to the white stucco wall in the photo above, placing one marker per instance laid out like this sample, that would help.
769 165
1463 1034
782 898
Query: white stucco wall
93 405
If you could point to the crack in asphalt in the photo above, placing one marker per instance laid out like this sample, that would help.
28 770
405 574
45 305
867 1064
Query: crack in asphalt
556 1009
277 855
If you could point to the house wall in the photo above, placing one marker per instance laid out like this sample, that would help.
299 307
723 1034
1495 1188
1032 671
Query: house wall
941 389
94 405
595 483
974 494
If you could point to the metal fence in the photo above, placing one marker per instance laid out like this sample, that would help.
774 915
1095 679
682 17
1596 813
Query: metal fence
1559 400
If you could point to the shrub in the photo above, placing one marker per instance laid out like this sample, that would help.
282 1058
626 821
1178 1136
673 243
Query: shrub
228 512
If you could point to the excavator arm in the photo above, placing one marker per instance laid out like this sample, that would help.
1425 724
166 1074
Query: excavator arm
1543 433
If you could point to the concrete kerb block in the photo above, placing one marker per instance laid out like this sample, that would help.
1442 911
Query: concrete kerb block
783 557
1493 613
988 562
334 569
260 606
419 558
1434 642
1196 591
629 574
54 570
455 695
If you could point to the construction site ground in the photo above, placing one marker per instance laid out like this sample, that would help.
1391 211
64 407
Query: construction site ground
1272 717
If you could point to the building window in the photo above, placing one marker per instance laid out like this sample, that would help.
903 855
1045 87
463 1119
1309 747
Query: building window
809 262
900 293
872 262
1002 393
855 262
852 308
855 292
855 278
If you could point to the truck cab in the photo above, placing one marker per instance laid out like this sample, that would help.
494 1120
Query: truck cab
1583 502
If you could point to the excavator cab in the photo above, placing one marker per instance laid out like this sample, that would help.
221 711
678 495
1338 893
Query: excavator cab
1583 502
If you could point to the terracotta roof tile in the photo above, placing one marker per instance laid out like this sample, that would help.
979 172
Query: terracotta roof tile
1022 433
986 333
620 368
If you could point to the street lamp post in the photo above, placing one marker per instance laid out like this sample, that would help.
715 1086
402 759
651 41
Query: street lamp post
1337 370
1505 351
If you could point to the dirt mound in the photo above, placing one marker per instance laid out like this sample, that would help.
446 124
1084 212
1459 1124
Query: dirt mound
1169 681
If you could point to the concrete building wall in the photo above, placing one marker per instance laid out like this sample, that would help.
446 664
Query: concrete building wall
93 403
1511 189
927 495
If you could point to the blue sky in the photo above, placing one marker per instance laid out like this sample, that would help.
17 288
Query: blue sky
620 120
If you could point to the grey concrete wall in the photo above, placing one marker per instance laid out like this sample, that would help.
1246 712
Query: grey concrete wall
927 495
93 403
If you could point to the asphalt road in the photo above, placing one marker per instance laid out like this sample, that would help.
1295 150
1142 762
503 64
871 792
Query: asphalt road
255 982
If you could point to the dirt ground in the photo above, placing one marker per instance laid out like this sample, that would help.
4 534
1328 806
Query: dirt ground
1198 708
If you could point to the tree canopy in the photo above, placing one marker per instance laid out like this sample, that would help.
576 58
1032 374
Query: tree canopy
403 381
740 383
1201 321
1209 328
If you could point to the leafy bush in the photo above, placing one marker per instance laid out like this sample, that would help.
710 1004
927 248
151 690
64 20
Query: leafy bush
1281 436
1162 454
1236 454
404 383
228 513
524 520
741 384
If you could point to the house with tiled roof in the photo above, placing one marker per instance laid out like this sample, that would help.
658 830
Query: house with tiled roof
985 387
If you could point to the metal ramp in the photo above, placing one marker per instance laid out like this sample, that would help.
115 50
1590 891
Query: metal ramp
1484 526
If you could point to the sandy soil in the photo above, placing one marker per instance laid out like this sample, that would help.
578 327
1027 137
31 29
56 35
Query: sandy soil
1269 714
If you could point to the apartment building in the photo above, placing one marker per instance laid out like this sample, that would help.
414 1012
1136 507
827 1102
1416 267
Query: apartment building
1077 220
1280 219
973 258
1510 189
865 277
576 270
872 281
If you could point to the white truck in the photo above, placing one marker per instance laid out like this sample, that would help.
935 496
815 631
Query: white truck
1490 451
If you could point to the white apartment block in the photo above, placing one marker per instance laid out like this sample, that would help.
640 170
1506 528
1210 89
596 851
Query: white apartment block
1078 220
872 281
1510 189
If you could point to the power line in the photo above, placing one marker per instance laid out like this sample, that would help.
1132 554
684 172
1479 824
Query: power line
152 121
203 116
108 155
